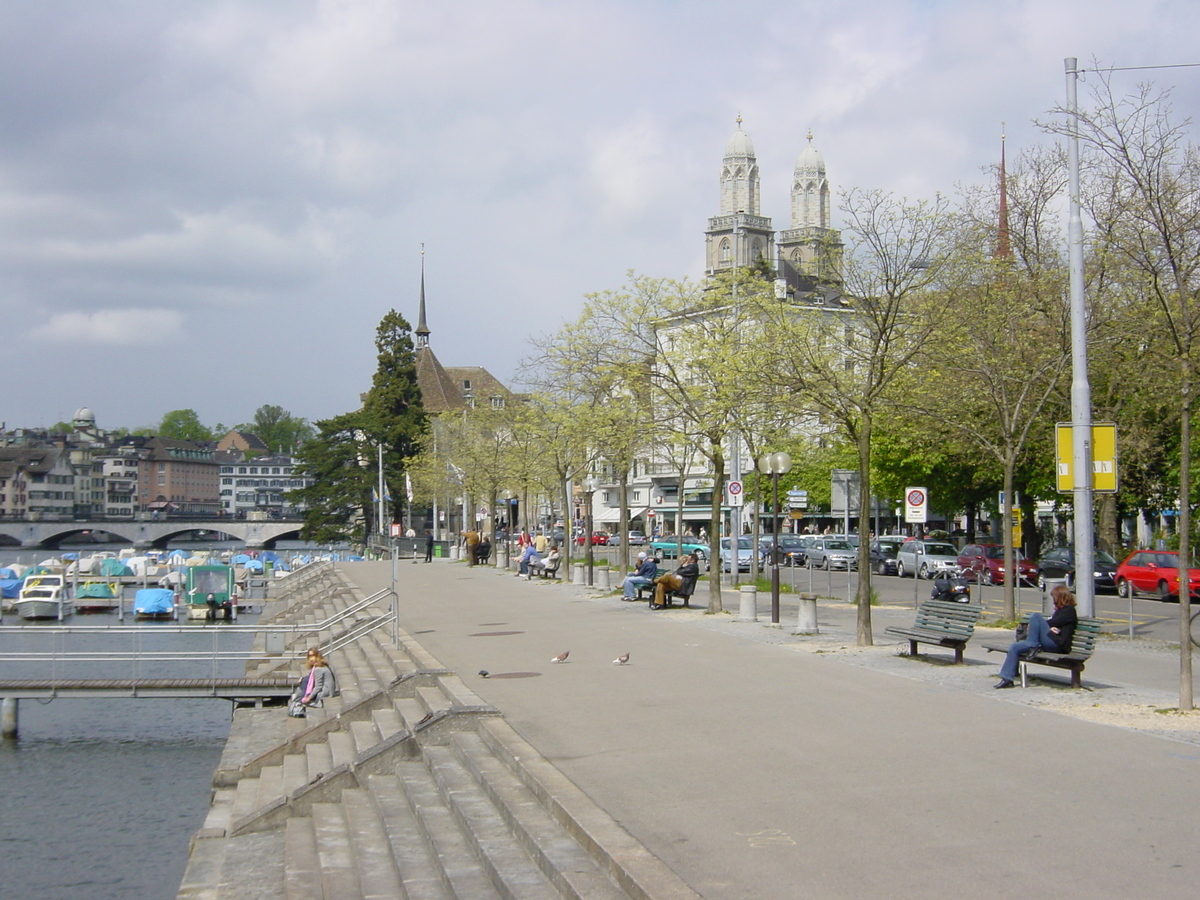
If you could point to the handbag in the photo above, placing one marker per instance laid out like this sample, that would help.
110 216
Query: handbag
296 708
1022 631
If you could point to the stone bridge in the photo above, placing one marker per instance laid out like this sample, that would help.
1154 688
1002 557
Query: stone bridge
144 535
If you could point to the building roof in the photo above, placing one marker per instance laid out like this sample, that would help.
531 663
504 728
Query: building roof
740 143
36 460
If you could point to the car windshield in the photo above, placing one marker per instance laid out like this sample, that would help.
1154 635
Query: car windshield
1101 557
837 545
888 551
940 550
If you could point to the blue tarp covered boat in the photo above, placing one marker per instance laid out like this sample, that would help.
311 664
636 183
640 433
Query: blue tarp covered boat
154 603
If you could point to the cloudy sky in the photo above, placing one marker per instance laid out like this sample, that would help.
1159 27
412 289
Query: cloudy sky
212 204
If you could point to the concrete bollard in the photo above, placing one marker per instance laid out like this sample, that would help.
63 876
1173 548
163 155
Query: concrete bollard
748 610
808 615
603 578
578 574
455 551
9 718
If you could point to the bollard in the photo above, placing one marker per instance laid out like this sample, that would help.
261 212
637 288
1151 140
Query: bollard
603 579
455 551
9 718
808 615
748 611
579 574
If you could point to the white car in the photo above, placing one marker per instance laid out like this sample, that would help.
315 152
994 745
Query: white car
926 559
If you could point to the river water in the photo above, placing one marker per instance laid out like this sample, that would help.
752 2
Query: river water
99 798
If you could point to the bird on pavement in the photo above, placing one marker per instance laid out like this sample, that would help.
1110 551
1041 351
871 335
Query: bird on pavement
562 657
483 673
621 660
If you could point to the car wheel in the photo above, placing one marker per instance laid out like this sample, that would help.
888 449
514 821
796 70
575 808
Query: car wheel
826 565
991 577
924 572
899 570
1164 593
1124 589
880 569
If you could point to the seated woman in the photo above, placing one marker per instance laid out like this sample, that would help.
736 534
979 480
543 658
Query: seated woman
645 574
1053 634
686 574
482 551
317 684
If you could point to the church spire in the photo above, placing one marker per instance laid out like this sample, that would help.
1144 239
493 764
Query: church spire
1003 246
422 331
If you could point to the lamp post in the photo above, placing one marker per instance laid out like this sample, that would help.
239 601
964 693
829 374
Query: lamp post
590 485
775 464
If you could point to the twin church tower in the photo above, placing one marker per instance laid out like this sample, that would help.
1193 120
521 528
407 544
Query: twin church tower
804 255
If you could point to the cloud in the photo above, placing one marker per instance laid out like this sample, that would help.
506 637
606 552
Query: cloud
113 328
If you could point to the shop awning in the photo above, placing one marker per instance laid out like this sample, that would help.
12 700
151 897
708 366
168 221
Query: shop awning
612 516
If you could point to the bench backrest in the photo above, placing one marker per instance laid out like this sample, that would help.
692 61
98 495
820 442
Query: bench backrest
1083 641
948 617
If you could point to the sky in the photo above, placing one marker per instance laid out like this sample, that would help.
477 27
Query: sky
211 205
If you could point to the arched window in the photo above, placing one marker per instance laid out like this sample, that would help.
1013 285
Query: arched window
726 256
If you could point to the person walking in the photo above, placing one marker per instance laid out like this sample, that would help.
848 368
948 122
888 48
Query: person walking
428 545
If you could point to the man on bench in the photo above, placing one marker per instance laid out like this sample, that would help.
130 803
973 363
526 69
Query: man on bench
682 581
547 567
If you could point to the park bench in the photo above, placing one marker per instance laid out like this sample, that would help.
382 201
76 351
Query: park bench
684 592
941 622
1083 644
543 570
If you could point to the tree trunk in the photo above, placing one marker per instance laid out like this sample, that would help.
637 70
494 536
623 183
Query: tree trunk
714 529
865 638
1108 536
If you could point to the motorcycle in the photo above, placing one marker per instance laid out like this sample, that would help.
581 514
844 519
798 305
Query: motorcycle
954 588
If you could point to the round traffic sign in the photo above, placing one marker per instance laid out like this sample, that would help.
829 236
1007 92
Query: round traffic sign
916 498
735 487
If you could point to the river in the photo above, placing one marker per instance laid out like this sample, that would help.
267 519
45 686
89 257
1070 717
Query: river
99 798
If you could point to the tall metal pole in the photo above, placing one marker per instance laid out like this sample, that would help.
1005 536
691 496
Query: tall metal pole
1081 392
735 443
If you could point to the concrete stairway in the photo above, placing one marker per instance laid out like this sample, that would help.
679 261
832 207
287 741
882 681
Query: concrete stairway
407 786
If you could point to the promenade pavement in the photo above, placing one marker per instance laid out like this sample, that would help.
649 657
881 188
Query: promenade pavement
761 764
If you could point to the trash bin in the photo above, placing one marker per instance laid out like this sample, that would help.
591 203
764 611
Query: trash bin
437 550
1047 600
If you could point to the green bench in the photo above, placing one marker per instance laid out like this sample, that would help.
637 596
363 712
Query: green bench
1083 644
941 622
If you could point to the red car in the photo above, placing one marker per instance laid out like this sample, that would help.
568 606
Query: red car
599 539
985 563
1154 572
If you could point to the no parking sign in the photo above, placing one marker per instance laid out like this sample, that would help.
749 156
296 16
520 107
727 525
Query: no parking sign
916 504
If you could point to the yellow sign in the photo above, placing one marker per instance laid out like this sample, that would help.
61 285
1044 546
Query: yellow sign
1104 457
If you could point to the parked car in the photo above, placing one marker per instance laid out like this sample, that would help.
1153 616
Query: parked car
667 546
832 553
985 563
745 552
883 555
792 550
1060 563
599 539
636 539
1154 572
926 559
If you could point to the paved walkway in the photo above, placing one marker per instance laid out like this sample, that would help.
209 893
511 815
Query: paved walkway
757 763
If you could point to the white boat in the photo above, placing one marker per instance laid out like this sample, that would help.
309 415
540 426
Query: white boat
44 597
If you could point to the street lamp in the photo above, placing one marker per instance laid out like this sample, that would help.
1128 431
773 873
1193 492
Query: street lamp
590 484
775 464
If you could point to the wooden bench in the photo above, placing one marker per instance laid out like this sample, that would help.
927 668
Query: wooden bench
941 622
1083 644
684 593
544 571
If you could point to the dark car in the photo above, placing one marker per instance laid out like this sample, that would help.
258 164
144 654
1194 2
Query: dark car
1060 563
985 563
791 550
883 557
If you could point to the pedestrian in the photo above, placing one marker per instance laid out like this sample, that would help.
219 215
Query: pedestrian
1053 634
428 545
540 543
471 539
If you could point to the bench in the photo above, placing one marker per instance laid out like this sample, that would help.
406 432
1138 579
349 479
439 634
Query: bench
684 593
1083 644
546 571
941 622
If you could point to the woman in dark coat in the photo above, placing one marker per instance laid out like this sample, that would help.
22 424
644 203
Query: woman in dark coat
1053 634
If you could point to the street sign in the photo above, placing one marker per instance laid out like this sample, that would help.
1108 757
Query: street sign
734 491
916 504
1104 457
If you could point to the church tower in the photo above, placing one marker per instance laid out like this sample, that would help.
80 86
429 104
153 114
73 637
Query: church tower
811 247
739 234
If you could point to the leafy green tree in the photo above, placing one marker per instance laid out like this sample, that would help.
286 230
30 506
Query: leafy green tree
392 412
184 425
282 432
337 500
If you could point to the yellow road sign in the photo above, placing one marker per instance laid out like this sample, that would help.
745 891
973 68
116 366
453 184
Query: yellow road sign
1104 457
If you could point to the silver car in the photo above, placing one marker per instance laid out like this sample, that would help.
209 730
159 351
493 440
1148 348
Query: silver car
926 559
832 553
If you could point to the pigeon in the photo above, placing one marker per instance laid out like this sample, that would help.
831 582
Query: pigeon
621 660
483 673
562 657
